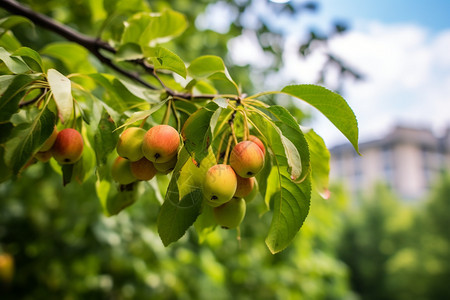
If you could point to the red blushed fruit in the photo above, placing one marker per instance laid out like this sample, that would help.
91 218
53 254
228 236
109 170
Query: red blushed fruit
258 142
244 186
68 146
160 143
246 159
143 169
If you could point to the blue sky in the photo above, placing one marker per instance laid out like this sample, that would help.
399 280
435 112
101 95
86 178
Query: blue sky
433 14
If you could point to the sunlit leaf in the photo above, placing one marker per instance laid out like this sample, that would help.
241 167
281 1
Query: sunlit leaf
163 58
150 29
26 54
210 67
320 163
74 56
61 88
141 115
14 64
291 130
331 105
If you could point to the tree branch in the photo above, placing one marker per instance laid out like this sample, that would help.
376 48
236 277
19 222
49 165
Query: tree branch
93 45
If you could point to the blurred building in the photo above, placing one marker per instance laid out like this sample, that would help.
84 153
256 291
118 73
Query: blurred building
407 159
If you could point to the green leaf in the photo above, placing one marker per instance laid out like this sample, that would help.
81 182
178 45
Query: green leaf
291 130
123 6
125 88
11 21
5 131
5 172
67 171
177 215
61 88
105 139
291 206
150 29
9 41
205 223
121 200
12 94
284 149
210 67
14 64
102 188
290 200
36 59
163 58
205 66
26 139
5 81
197 133
74 56
320 163
331 105
141 115
129 51
121 95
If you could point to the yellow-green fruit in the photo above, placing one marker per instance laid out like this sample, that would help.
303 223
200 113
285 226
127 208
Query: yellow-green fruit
258 142
219 185
44 156
129 145
121 171
230 214
50 141
253 193
160 143
68 146
247 159
166 167
143 169
244 186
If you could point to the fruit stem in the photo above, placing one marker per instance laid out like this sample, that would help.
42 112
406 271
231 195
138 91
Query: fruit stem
238 237
165 120
220 147
227 152
246 128
174 111
143 122
233 134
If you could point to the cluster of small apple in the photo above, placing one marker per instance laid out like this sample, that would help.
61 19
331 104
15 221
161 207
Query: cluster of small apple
227 188
143 153
65 146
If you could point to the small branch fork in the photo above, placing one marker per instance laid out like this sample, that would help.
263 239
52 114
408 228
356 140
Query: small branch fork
94 46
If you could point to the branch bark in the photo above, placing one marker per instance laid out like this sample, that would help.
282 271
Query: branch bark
93 45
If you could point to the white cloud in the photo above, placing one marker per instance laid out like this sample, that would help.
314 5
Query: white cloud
407 78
